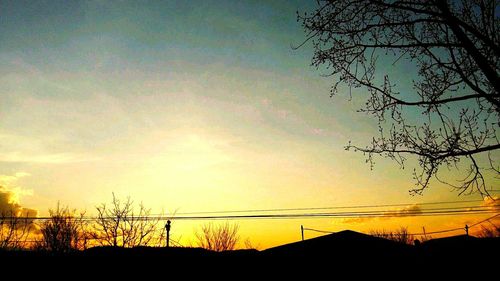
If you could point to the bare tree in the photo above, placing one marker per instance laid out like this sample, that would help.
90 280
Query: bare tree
489 231
62 232
250 246
120 225
222 237
15 230
401 236
424 237
451 115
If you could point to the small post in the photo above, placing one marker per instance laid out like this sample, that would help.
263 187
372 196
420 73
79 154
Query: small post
167 227
466 230
302 231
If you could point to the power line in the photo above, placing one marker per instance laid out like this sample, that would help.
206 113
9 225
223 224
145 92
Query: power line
317 230
484 220
417 234
382 213
328 207
438 231
351 214
332 215
465 210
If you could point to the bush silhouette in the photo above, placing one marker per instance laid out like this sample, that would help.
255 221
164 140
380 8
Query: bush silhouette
62 232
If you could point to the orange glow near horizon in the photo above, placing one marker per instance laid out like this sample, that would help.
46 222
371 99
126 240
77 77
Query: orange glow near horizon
265 233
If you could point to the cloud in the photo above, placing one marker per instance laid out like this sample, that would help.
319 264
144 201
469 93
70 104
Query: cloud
9 199
10 207
492 202
7 180
27 149
355 220
54 158
9 204
406 211
318 131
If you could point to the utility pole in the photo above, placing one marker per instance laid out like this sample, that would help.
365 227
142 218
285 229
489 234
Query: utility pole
167 227
302 231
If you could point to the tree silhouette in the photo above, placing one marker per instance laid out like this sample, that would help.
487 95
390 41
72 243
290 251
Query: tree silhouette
15 229
222 237
451 116
120 225
489 231
401 235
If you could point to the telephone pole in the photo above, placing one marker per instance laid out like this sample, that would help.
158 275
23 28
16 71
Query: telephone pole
167 227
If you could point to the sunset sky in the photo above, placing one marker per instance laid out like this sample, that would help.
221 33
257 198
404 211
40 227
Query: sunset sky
187 106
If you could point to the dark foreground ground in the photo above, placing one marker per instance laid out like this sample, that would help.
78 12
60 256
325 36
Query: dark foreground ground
347 253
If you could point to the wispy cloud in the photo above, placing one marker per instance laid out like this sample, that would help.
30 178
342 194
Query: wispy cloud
318 132
397 213
54 158
9 180
9 183
21 149
406 211
492 202
21 65
355 220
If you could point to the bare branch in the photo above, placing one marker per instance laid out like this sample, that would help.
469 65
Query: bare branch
453 111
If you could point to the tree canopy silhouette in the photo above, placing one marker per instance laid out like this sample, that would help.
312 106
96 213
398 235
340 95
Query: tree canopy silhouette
451 114
219 238
63 232
120 224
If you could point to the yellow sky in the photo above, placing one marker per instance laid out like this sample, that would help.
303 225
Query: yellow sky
265 233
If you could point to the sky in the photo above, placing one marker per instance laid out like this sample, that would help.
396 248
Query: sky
185 106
